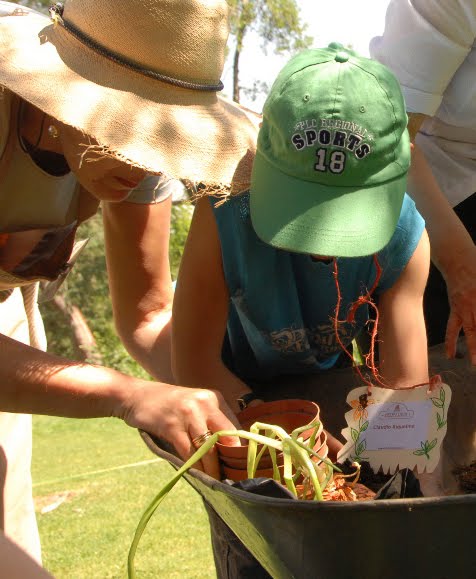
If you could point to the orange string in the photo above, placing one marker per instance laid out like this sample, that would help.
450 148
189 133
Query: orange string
363 299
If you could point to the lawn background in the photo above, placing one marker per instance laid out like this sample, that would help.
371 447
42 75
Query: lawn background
92 502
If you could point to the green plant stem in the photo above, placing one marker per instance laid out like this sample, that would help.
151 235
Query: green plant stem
307 463
327 480
312 441
252 462
160 497
321 458
288 466
290 446
209 443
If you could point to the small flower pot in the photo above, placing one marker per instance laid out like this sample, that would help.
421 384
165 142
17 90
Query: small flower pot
289 414
236 457
240 472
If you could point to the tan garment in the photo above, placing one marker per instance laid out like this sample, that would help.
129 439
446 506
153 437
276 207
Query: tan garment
39 201
32 202
17 515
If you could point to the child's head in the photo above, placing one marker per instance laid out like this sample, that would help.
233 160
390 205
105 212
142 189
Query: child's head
333 154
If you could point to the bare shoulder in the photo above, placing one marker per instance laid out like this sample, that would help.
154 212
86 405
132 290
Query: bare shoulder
415 274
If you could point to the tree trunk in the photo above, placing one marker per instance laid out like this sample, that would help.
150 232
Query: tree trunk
240 35
83 339
236 75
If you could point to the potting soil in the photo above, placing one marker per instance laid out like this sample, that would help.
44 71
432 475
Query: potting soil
466 476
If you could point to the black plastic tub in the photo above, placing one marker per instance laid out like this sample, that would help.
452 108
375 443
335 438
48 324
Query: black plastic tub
386 539
424 538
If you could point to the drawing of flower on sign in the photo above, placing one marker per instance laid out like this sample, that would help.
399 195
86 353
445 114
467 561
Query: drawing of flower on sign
360 415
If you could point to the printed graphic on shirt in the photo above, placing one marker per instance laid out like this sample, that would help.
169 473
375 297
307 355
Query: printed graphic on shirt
321 339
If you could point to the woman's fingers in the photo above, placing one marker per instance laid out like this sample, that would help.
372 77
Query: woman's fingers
206 414
461 285
462 316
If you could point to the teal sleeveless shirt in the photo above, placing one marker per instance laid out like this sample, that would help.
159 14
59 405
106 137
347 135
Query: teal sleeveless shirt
282 304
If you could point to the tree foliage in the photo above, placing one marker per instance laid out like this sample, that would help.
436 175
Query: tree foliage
276 22
179 226
40 5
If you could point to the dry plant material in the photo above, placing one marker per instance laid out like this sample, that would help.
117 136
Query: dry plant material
466 475
339 489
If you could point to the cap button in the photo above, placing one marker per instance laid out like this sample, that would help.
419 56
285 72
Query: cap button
342 56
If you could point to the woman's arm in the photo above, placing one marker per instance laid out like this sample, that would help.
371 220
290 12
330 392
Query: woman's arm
452 249
401 330
39 383
200 312
137 252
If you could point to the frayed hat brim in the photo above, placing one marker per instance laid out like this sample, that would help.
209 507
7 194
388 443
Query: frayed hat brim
161 128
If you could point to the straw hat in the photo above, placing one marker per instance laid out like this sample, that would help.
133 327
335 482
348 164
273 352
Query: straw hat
140 76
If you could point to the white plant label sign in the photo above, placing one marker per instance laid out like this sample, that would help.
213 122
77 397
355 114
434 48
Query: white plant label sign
394 429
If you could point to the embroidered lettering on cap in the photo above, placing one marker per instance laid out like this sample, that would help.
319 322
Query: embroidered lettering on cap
333 134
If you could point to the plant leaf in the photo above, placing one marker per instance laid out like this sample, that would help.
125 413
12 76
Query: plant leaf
354 433
442 395
364 426
419 452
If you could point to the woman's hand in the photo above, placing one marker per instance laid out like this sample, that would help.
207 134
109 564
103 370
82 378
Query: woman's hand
461 286
178 415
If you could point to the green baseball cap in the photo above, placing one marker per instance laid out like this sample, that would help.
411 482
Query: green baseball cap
333 154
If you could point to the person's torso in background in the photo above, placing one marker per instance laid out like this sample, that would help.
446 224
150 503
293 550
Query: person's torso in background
449 138
430 45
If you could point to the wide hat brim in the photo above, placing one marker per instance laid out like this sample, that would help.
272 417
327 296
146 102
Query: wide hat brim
160 127
307 217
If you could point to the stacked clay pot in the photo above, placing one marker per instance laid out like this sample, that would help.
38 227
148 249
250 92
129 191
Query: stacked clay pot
289 415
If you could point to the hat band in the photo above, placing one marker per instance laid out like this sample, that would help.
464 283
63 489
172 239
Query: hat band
56 13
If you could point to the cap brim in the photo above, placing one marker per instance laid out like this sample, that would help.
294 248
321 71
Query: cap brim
307 217
186 133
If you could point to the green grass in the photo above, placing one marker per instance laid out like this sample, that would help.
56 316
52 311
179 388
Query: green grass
84 464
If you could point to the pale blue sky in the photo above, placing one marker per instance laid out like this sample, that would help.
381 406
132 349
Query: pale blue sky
347 21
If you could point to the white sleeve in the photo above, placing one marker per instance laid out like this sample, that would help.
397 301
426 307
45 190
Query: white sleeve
424 43
157 188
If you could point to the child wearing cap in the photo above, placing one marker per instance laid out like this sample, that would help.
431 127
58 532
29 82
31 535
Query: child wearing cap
325 224
326 216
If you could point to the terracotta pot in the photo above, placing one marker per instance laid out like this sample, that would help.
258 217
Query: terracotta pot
285 408
289 414
236 457
238 473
